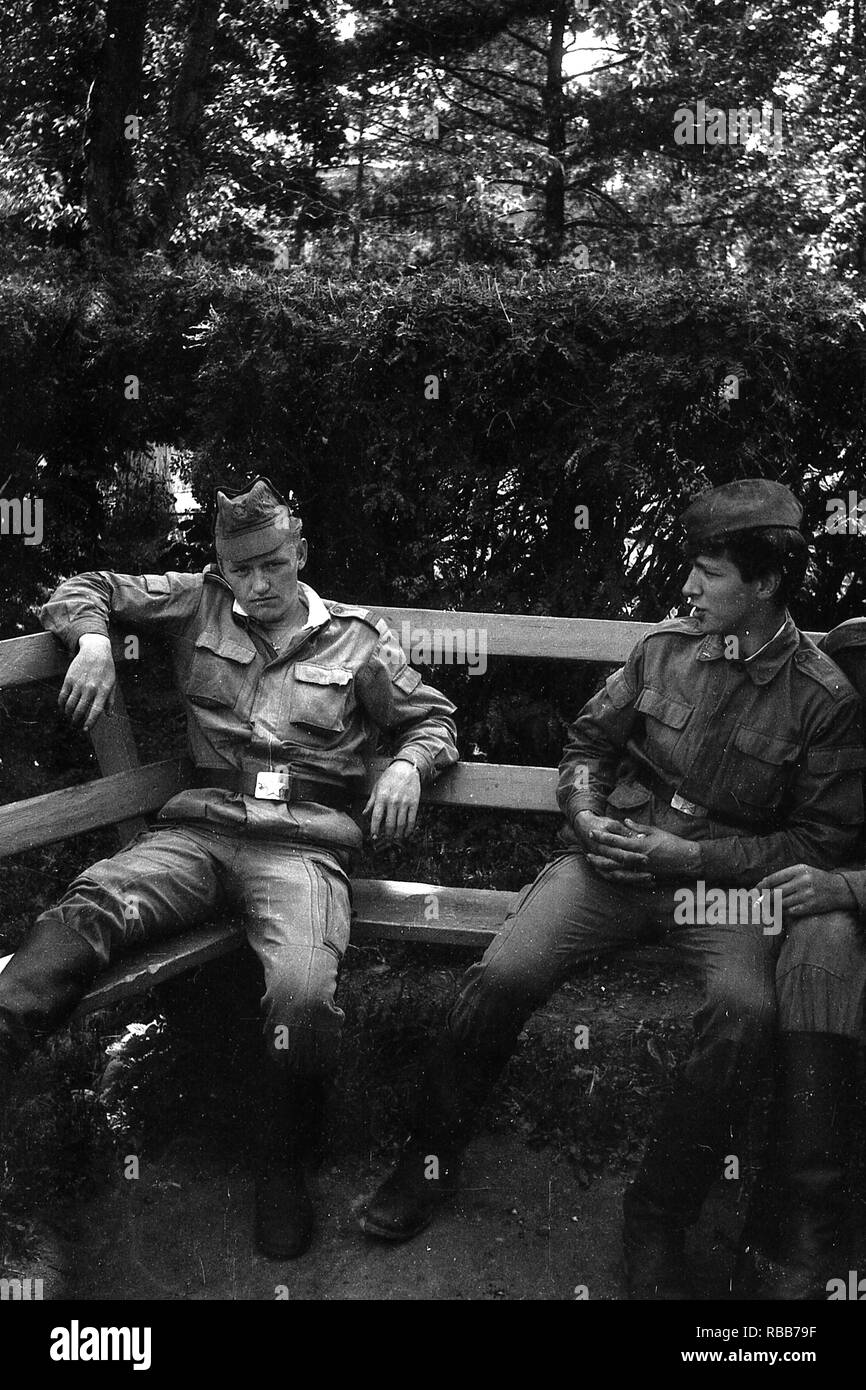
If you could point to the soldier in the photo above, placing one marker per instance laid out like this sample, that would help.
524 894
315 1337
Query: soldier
726 748
797 1236
283 692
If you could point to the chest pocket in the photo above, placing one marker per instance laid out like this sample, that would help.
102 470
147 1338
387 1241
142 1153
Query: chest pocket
757 767
320 696
219 671
665 719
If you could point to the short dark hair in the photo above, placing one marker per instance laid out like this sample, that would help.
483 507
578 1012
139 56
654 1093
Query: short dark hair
760 551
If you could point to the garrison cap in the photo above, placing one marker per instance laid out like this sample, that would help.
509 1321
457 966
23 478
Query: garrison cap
253 521
739 506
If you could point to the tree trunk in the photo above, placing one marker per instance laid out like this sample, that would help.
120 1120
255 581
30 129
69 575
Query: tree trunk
182 157
109 136
554 113
359 184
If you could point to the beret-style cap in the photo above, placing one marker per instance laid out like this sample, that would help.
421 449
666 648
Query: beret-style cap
740 506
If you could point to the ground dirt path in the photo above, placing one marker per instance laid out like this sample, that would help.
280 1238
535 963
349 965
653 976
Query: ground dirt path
522 1229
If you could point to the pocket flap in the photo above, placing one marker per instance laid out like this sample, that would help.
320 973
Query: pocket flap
769 750
674 713
321 675
227 647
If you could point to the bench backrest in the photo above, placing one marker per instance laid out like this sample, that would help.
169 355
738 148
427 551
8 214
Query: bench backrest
128 791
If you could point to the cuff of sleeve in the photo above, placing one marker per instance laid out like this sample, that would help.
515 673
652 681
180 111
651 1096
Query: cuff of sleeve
584 801
856 881
421 764
86 627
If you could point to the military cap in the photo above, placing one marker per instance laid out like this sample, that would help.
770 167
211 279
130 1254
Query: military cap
253 521
739 506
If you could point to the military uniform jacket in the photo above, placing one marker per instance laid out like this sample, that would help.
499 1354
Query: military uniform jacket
315 708
761 758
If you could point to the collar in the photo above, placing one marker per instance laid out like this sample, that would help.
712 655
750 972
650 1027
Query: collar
763 664
317 613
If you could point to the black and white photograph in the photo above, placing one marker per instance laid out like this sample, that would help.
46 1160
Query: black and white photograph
432 666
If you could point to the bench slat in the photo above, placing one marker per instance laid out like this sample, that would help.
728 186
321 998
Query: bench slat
524 636
114 744
35 657
382 909
39 655
494 786
42 820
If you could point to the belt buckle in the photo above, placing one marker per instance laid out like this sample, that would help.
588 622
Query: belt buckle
273 786
688 808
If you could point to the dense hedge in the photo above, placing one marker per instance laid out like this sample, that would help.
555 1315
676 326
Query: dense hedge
552 391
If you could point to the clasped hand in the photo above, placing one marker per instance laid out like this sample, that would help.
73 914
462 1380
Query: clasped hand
631 852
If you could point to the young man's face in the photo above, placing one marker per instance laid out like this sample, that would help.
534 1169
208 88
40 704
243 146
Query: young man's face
266 585
722 601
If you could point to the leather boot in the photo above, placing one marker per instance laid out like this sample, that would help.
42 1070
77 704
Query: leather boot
406 1202
454 1085
290 1134
797 1241
43 982
682 1161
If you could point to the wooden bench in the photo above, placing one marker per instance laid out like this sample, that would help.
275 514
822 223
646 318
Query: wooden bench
127 792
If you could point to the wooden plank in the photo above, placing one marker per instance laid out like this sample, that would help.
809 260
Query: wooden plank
400 911
490 786
144 970
383 909
524 636
35 657
39 655
41 820
114 744
441 638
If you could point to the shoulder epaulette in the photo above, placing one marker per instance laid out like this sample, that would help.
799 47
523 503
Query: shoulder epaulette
814 662
365 615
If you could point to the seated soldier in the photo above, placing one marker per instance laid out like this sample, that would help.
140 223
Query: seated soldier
727 747
283 693
797 1236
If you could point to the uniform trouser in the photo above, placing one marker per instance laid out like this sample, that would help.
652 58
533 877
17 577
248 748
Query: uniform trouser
821 976
296 906
569 915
